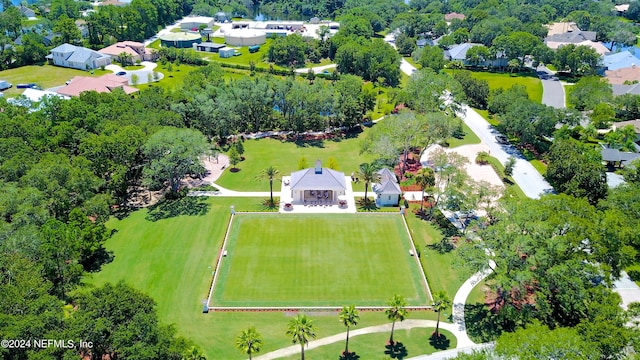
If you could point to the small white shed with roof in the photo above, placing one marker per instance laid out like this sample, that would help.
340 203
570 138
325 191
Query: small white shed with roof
388 190
317 184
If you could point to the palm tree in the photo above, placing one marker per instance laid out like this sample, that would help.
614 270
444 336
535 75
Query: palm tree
269 173
369 174
301 330
441 302
194 353
425 178
349 316
396 311
249 341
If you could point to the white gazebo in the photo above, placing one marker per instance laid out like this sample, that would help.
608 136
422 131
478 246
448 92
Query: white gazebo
317 185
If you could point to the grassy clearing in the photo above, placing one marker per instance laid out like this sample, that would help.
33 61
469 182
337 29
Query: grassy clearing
539 165
505 81
372 346
469 138
412 62
45 76
171 259
440 268
318 260
512 189
172 79
285 155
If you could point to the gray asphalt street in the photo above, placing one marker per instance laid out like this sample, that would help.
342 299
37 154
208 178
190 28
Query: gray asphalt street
553 92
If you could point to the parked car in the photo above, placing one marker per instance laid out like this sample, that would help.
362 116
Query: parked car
501 139
26 86
121 73
4 85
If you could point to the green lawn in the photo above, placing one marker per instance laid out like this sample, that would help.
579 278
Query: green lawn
539 165
372 346
284 156
45 76
505 81
469 138
410 61
318 260
171 260
172 79
442 273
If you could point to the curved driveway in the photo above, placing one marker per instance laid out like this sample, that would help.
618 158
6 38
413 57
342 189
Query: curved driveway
143 74
524 174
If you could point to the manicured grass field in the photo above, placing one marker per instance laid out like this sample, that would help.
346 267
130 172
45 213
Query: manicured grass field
505 81
469 138
45 76
372 346
318 260
172 79
285 155
171 260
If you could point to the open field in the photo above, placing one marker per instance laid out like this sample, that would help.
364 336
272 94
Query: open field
505 81
318 260
171 259
45 76
285 155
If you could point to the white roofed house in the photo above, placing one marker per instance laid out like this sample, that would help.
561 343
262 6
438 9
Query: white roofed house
77 57
388 190
317 185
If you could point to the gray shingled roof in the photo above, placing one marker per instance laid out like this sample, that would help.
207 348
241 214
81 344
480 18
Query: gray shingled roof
78 53
386 174
388 187
615 155
328 179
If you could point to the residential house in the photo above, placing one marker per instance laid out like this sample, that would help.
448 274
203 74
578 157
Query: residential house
112 3
82 27
78 57
317 185
633 89
28 13
621 9
617 158
563 33
137 51
634 123
459 53
624 76
453 15
620 60
102 84
388 190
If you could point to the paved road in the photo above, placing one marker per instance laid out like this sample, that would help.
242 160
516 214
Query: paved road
552 89
317 69
524 174
407 324
143 74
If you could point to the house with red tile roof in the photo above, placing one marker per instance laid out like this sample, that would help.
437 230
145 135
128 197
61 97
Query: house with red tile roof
622 76
102 84
135 49
453 15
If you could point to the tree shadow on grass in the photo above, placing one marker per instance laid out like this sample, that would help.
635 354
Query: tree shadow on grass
366 206
482 324
439 342
351 355
100 257
189 205
396 350
318 143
